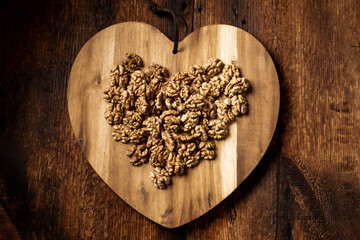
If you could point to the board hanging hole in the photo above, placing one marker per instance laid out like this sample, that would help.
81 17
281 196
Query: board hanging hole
158 10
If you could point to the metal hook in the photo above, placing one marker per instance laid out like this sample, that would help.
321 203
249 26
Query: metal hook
158 10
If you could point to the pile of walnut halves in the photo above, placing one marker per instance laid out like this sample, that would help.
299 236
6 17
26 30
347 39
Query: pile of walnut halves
173 122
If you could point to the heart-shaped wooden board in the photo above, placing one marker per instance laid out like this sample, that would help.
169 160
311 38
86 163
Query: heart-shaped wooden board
201 188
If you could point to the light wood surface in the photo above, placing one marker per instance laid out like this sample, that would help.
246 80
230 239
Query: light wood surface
201 188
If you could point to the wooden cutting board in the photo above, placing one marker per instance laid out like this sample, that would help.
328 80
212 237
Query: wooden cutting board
203 187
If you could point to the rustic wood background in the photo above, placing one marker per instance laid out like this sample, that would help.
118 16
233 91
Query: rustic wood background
306 187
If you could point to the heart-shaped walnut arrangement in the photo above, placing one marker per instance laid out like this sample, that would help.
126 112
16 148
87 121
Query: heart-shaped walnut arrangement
173 122
171 118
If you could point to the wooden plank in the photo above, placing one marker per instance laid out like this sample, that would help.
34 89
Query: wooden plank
66 199
320 132
315 47
250 212
7 228
275 25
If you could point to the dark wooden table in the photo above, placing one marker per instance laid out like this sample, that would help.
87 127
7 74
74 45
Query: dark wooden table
307 186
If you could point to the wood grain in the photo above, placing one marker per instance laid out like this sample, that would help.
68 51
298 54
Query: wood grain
203 187
7 228
305 187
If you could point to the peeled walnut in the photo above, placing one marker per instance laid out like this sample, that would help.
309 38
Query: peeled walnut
239 105
160 177
158 155
173 122
138 154
214 67
237 85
